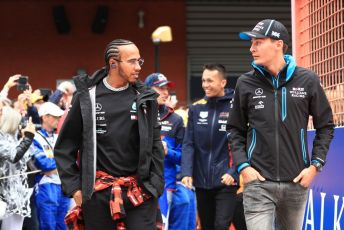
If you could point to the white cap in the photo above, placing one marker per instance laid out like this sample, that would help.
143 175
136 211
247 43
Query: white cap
51 109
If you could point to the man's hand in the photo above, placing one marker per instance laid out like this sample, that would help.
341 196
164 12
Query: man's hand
306 176
250 174
227 179
164 144
77 196
187 181
170 102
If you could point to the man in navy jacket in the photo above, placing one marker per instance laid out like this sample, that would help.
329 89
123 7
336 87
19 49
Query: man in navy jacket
206 160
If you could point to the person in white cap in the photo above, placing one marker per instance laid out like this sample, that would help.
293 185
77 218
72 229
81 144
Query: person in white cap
52 205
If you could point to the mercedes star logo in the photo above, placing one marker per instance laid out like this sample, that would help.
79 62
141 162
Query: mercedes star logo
259 91
98 107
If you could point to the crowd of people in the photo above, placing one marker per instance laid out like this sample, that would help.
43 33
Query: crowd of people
30 186
111 151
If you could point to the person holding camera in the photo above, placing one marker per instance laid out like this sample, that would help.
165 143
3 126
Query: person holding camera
14 191
12 81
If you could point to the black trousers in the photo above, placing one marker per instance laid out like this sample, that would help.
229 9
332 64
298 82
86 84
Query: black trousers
239 217
216 207
31 223
97 215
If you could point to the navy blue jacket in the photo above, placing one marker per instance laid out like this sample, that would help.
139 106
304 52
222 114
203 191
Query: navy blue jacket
206 156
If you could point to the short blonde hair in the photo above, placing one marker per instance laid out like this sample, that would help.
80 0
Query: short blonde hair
10 120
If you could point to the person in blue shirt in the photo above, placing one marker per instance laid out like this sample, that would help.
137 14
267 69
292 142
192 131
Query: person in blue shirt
206 158
177 204
52 205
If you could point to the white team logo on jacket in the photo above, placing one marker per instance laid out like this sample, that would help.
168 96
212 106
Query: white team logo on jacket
260 105
259 93
202 120
98 107
133 111
203 114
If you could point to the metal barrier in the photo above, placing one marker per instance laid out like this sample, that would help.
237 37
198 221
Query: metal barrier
318 36
20 174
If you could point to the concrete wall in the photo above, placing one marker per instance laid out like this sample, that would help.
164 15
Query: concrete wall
30 44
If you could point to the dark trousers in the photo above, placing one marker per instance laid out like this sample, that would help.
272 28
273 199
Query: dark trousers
239 217
216 207
97 212
31 223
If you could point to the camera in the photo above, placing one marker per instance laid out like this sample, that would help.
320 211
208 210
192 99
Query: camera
23 83
24 121
45 92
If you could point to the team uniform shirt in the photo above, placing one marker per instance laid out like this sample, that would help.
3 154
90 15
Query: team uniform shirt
43 155
117 131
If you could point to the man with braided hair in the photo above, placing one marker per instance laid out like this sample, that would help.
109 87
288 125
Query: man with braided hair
113 125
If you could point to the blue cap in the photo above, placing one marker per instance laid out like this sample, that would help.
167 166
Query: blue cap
158 80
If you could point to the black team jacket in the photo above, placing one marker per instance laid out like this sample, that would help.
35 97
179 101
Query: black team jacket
78 135
267 125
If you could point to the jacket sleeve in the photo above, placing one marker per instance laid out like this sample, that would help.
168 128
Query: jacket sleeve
11 152
174 144
33 113
56 96
232 170
174 152
23 146
188 146
237 128
158 155
323 123
67 147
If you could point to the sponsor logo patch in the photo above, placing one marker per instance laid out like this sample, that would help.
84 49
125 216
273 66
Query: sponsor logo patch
260 105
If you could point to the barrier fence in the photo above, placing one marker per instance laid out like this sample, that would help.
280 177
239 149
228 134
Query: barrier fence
318 35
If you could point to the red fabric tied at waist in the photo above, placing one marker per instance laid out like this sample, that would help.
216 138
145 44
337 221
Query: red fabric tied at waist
74 218
134 193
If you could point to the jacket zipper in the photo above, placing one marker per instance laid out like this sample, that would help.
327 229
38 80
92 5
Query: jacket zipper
211 148
276 135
